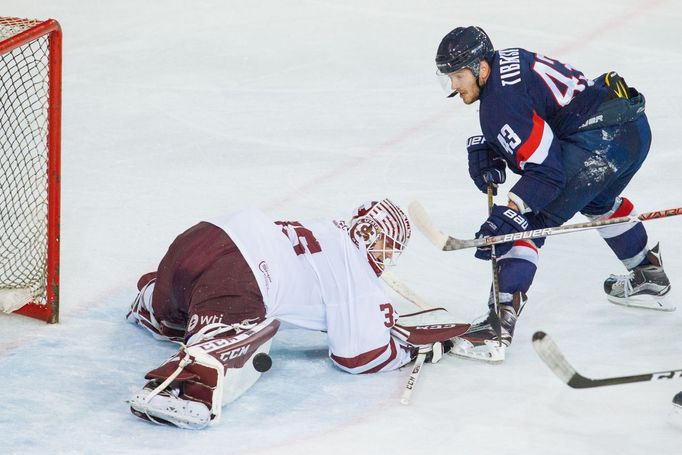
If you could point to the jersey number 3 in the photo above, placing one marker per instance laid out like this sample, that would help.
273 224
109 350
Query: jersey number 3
387 309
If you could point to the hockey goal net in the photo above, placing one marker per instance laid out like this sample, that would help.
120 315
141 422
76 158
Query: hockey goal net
30 106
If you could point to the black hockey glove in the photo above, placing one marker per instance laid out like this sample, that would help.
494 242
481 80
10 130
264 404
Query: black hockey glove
502 220
485 166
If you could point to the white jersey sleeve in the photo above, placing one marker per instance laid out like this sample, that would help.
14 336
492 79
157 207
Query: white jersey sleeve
360 317
313 276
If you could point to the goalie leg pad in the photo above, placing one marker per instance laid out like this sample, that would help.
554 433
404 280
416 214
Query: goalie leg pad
166 408
210 373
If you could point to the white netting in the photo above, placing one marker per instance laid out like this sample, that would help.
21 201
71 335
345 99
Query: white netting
24 85
10 26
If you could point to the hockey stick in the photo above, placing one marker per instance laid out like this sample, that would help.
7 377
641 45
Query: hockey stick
402 289
414 375
495 314
549 352
448 243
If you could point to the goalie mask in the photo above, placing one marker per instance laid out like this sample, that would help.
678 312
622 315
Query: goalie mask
384 229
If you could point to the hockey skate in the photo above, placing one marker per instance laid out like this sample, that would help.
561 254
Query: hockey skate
646 286
675 417
167 408
677 402
480 342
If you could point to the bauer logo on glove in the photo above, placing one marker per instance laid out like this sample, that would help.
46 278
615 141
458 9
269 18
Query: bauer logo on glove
502 221
516 218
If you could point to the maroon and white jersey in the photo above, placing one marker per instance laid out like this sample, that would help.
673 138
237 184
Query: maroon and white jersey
314 277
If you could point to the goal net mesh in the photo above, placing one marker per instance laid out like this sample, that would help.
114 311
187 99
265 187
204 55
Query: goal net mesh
24 88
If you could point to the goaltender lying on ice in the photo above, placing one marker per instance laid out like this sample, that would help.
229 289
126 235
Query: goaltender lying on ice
225 286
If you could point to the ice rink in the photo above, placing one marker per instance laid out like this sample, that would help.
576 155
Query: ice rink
175 112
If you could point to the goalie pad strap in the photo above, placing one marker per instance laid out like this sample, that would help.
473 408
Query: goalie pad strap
218 372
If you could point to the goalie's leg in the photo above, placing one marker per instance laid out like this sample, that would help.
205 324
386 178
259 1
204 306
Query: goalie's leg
142 313
205 282
202 266
223 362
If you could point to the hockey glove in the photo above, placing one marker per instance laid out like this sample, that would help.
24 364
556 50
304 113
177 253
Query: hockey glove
502 220
485 166
434 352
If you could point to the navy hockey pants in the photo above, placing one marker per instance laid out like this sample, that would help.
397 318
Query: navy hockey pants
598 165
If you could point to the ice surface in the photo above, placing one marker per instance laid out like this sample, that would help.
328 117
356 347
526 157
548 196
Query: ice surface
179 111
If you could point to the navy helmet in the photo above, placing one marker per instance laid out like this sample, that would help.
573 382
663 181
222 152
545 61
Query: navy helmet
464 47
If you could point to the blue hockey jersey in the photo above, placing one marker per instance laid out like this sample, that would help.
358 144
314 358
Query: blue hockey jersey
528 105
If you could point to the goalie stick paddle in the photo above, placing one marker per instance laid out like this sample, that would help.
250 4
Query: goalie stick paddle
549 352
448 243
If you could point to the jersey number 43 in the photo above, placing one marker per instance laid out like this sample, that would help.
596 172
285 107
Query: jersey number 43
562 80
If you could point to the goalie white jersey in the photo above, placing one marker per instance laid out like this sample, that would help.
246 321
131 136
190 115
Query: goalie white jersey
312 276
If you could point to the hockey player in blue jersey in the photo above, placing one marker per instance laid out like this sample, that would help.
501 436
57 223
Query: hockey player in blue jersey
575 142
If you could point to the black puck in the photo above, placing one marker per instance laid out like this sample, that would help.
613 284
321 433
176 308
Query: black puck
262 362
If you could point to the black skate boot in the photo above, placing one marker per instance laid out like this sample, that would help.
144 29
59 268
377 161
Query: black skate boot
677 409
646 286
677 400
480 342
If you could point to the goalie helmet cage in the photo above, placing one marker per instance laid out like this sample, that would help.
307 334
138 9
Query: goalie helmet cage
30 136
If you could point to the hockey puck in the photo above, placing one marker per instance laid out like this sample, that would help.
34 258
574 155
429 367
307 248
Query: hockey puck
262 362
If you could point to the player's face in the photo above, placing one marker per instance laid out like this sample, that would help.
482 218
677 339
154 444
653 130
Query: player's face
464 82
381 251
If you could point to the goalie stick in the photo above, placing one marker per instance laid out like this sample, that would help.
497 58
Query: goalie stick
448 243
414 375
549 352
403 290
427 330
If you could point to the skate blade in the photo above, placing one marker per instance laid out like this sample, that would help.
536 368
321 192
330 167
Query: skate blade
644 302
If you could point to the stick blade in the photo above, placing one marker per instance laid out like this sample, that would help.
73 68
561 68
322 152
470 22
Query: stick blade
549 352
422 220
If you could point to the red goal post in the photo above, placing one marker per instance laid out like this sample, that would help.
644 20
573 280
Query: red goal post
30 138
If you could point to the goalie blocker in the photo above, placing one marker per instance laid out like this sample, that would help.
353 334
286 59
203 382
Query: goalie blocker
430 331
